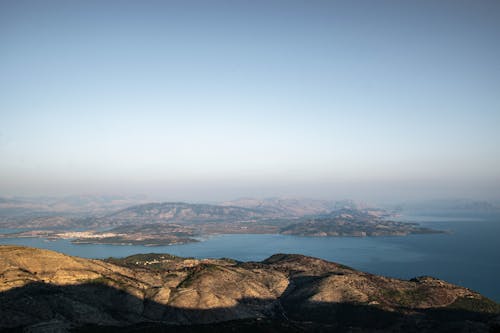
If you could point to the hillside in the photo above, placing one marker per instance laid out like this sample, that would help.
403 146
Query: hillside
43 290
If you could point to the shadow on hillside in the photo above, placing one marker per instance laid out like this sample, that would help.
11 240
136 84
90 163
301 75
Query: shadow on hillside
95 307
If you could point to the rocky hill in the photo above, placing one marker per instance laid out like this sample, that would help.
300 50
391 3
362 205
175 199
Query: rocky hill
353 222
42 291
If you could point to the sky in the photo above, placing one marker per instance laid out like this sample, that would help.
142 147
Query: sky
211 100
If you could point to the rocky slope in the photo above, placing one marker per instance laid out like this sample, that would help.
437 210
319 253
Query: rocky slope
42 290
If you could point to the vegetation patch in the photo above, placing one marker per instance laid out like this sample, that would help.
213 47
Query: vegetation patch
405 297
195 272
151 260
474 304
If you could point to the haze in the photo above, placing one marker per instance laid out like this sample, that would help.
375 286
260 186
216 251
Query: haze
198 100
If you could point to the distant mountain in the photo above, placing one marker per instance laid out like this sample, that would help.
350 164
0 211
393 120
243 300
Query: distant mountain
351 204
291 207
83 205
241 210
46 291
451 207
94 203
306 217
7 201
183 212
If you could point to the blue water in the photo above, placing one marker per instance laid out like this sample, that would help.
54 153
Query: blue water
468 256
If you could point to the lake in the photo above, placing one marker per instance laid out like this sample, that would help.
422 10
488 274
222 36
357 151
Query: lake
469 255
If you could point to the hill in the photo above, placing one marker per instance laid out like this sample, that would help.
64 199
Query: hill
354 222
42 290
182 212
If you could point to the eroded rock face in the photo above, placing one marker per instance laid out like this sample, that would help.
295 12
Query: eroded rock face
41 289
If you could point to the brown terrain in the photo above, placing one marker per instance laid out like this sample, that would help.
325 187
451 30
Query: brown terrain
42 291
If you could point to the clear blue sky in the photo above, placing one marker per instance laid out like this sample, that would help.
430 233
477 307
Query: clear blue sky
208 100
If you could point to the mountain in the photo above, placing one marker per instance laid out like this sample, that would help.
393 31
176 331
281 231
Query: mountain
451 207
78 205
95 204
286 207
182 212
43 291
241 210
179 222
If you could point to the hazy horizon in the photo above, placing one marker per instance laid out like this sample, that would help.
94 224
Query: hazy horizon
209 101
208 195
